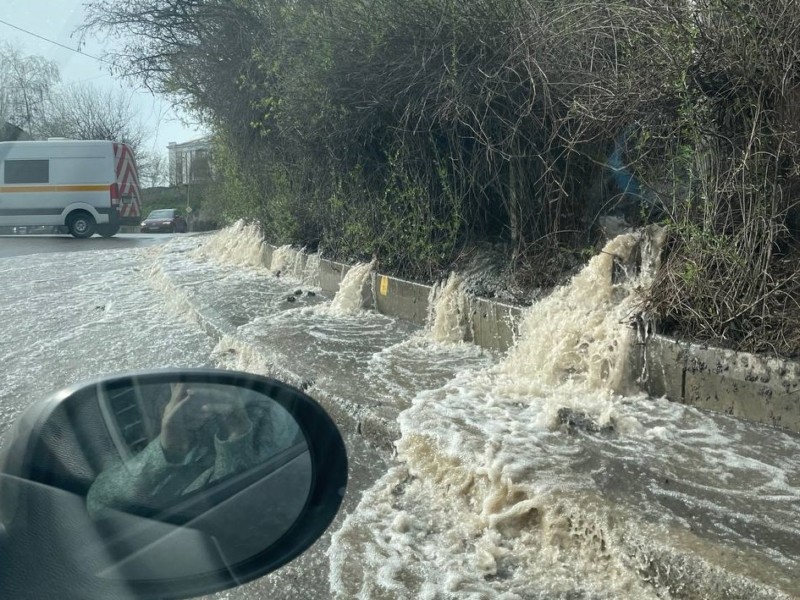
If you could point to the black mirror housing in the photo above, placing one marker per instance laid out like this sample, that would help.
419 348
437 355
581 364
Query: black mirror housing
165 484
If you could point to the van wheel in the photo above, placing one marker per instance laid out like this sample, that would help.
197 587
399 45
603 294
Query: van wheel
108 230
81 225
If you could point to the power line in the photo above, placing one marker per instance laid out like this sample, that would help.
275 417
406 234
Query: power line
41 37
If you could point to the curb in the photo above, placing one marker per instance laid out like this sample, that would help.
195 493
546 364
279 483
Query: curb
754 388
379 430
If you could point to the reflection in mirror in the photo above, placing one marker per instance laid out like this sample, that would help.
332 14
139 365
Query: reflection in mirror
166 484
174 439
222 461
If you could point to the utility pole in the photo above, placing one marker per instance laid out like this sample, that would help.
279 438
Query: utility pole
188 189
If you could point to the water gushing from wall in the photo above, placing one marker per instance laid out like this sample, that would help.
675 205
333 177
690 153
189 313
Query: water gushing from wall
241 244
283 259
175 299
349 299
578 335
448 309
536 479
311 270
296 268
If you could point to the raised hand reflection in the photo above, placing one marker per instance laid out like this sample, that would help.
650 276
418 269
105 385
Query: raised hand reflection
203 434
193 414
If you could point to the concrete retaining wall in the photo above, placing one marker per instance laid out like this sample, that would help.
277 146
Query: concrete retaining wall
494 325
399 298
743 385
756 388
331 274
491 324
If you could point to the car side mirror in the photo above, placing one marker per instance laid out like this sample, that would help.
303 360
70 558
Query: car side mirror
164 484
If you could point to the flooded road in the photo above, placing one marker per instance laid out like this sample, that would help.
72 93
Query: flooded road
538 474
22 245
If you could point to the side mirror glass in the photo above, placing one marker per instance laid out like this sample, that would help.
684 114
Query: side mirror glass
166 484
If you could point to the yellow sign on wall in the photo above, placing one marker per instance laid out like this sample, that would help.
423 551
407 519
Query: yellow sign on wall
384 285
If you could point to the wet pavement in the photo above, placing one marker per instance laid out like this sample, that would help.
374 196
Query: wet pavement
493 490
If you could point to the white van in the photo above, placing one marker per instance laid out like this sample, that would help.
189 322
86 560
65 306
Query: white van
87 186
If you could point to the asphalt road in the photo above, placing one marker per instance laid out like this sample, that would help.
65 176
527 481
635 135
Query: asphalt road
21 245
127 323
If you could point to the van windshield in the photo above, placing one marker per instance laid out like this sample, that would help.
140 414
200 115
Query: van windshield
162 214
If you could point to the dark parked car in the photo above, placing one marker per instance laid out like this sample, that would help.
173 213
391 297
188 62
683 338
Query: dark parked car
166 219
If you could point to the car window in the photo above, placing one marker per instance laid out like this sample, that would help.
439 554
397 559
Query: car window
582 191
162 214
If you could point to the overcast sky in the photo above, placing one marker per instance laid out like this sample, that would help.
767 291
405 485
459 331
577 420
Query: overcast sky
57 20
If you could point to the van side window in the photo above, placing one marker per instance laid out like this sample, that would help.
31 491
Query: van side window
27 171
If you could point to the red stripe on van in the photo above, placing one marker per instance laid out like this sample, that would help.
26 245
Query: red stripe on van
127 179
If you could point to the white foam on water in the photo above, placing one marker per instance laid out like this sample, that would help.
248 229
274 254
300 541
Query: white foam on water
297 269
536 478
448 310
237 355
496 493
283 260
176 300
349 300
577 336
241 244
289 262
419 363
95 313
311 270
